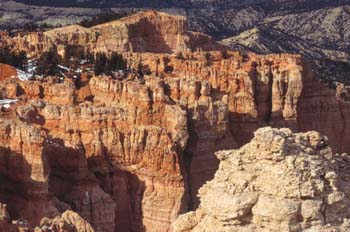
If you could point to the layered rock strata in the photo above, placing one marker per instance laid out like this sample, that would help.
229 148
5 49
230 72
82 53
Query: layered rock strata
138 151
147 31
132 155
151 31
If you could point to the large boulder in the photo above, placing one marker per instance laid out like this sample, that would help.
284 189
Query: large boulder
280 181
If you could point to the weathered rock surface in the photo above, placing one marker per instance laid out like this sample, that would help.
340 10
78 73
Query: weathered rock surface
24 172
69 221
133 156
148 31
280 181
7 71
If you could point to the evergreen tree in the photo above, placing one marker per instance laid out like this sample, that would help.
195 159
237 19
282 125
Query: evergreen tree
90 57
104 65
117 62
48 63
16 59
180 56
140 69
224 55
100 63
207 56
167 67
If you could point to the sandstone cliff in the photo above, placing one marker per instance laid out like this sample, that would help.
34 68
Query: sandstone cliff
280 181
151 31
134 156
147 31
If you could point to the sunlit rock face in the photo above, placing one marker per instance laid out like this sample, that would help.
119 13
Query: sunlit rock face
147 31
131 154
280 181
135 154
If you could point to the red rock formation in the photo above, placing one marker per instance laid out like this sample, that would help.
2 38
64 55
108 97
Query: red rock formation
129 159
133 146
133 157
70 37
6 72
276 90
318 109
25 172
151 31
147 31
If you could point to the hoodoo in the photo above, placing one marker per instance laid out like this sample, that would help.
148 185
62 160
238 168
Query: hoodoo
118 126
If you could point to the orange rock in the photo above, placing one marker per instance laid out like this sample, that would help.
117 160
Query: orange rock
133 157
7 71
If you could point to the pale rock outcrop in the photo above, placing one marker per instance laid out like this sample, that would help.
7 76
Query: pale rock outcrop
280 181
68 221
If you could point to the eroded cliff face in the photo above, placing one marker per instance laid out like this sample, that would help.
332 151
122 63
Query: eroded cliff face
130 154
151 31
70 38
147 31
133 156
24 171
280 181
117 162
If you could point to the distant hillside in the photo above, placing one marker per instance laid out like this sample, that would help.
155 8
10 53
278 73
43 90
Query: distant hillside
319 29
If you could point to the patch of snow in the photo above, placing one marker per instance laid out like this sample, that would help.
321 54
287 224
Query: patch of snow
83 61
63 67
23 76
7 101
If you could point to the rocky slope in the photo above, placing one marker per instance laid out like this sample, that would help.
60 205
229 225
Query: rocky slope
280 181
324 44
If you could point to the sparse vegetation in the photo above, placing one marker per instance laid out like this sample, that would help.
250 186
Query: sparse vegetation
167 67
180 56
48 63
16 59
224 55
103 18
208 57
107 65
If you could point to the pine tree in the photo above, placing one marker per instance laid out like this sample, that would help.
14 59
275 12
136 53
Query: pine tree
100 63
117 62
48 63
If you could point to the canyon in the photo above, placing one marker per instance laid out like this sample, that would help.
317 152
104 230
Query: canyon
132 154
319 29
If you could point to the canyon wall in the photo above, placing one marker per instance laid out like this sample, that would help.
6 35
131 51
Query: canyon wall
147 31
134 155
